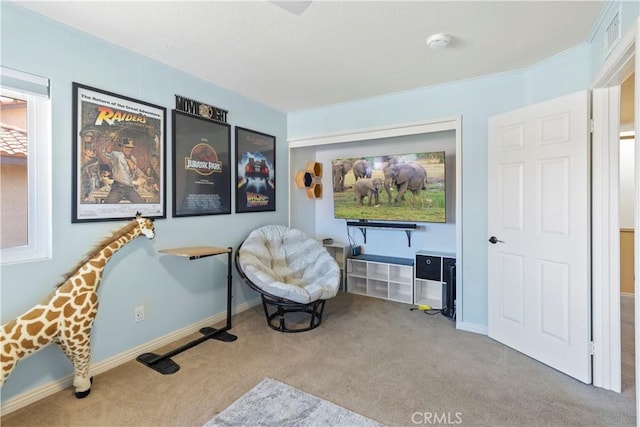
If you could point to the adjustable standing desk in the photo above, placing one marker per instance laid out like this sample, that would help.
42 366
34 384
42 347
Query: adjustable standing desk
162 363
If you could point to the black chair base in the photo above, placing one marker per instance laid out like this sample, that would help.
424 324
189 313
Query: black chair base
283 314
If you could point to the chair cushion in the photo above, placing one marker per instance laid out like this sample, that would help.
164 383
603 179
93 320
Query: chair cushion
287 263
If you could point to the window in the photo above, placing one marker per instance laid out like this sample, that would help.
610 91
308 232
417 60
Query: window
25 167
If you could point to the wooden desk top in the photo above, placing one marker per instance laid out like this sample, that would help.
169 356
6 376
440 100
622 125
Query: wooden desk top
196 251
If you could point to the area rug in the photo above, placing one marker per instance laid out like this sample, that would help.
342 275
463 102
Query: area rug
272 403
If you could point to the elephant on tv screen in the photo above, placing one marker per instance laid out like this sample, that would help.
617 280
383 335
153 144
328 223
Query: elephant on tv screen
422 174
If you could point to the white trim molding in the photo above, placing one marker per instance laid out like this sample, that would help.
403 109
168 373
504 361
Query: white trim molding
605 258
403 129
605 253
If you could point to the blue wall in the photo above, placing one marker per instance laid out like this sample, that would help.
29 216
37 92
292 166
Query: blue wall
176 293
475 100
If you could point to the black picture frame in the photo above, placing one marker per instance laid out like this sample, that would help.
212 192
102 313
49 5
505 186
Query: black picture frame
201 166
255 171
109 185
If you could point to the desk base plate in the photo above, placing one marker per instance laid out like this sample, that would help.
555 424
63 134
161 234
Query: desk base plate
166 366
213 333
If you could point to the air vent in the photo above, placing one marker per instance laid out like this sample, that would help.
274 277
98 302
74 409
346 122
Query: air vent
612 35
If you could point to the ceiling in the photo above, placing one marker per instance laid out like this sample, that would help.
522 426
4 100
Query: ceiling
328 52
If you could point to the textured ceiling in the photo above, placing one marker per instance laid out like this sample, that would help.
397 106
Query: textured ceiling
332 51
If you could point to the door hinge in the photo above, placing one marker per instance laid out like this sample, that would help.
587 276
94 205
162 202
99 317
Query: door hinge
592 348
592 125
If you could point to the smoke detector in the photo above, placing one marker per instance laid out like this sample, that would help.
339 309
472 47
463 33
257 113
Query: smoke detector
438 41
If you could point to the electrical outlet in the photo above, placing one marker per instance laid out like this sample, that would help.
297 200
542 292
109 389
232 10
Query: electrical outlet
139 313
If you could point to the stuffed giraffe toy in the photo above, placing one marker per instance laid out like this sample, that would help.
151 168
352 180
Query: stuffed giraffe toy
66 316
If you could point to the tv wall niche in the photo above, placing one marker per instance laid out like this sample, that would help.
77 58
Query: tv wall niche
317 217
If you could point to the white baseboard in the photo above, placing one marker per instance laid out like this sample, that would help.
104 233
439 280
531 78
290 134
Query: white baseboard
626 294
60 384
472 327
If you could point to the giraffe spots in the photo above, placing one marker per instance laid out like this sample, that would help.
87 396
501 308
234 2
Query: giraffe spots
101 262
58 302
51 330
89 310
68 311
43 341
66 287
7 363
34 328
27 345
7 367
8 327
33 314
80 300
90 277
51 315
17 332
8 348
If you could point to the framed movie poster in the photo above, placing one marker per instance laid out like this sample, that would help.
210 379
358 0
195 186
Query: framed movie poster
255 171
118 157
202 166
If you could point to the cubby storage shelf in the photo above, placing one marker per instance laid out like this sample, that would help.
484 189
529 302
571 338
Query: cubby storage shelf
433 272
340 252
381 276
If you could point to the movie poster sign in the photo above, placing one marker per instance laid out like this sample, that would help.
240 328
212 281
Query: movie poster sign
118 157
202 166
255 171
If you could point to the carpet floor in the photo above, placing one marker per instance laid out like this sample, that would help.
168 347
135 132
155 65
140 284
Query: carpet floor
373 357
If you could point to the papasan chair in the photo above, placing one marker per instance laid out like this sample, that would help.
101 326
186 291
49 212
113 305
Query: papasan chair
293 272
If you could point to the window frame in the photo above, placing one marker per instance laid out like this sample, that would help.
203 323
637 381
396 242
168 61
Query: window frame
39 181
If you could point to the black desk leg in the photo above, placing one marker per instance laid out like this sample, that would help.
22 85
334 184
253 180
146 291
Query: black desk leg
222 334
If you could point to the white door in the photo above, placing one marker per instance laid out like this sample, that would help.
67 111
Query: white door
539 275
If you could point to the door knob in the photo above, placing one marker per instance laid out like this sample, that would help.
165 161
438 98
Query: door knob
494 240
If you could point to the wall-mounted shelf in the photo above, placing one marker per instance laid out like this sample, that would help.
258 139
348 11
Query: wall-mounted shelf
364 225
311 179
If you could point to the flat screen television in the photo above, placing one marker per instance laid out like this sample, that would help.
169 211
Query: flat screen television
401 187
